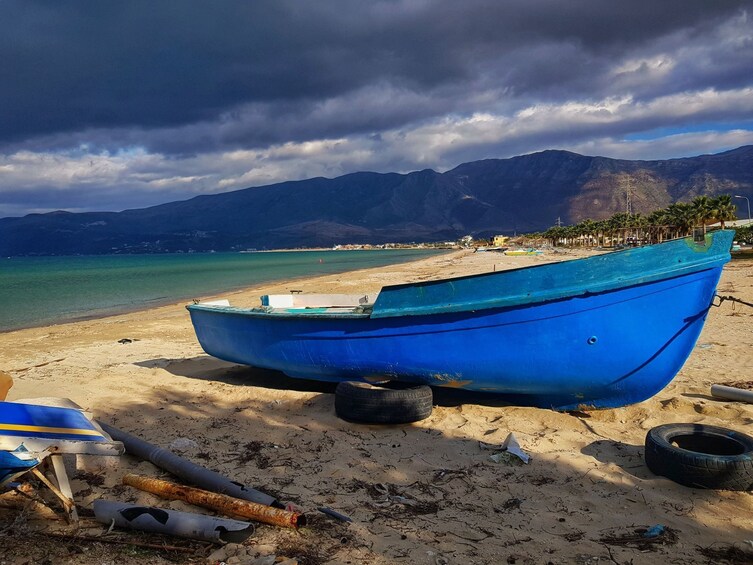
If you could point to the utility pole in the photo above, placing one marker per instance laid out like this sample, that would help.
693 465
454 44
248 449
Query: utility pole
628 199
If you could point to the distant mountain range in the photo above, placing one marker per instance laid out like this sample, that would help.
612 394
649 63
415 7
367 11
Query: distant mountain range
482 198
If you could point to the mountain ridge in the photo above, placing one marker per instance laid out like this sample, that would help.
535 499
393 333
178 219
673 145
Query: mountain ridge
485 197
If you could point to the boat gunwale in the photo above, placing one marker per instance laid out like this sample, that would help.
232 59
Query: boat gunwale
300 314
706 259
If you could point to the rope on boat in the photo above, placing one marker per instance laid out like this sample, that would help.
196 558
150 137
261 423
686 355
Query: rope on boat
731 299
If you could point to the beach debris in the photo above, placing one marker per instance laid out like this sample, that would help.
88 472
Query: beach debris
334 514
732 393
215 501
292 507
509 452
187 470
25 498
171 522
6 382
125 340
76 537
183 444
642 537
700 455
14 463
654 531
740 552
511 445
52 428
38 365
392 497
236 554
388 499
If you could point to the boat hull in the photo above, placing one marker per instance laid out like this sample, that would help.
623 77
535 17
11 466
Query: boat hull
603 349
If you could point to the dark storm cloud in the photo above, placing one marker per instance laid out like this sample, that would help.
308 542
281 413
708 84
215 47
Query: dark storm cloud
113 105
71 66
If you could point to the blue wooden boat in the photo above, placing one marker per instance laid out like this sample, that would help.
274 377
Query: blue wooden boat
604 331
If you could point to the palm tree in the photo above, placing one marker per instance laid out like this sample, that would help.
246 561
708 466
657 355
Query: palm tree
679 217
702 210
555 234
722 209
658 222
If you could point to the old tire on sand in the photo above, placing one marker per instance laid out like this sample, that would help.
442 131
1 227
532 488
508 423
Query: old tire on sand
701 456
365 403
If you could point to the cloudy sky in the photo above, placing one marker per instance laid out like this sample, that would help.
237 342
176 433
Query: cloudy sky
115 105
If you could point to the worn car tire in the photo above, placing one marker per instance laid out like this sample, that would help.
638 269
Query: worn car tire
701 456
362 402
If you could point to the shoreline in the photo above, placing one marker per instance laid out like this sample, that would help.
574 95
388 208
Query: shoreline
587 478
159 302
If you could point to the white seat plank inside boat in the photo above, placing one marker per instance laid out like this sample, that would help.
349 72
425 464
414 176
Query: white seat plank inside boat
320 302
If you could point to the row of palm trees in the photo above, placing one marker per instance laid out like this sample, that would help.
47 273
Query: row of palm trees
676 220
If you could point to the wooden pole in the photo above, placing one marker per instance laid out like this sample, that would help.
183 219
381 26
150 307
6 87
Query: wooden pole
219 502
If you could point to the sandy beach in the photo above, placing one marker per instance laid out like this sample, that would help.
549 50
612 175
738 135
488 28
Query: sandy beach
425 493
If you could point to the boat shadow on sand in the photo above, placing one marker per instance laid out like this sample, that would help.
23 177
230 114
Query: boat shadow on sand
626 456
207 368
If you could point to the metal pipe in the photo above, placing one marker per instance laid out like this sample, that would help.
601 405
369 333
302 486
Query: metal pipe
188 471
172 522
218 502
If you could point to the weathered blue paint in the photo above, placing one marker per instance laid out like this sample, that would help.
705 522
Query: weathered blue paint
52 422
13 464
604 331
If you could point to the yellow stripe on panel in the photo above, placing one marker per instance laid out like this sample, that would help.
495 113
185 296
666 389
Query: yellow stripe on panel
47 430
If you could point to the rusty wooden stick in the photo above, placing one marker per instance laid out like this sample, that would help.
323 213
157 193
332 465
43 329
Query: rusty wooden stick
215 501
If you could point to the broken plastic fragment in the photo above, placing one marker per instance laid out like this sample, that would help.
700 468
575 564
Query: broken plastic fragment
172 522
511 445
654 531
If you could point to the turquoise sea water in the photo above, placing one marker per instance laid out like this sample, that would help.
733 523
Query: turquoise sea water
36 291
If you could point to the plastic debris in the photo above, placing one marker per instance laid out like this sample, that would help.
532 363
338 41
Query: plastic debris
187 470
511 445
654 531
509 452
732 393
172 522
505 457
330 512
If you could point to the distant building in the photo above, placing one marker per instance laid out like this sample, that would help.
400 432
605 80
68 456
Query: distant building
733 224
500 240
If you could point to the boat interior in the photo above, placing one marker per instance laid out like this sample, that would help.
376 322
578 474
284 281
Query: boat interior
297 303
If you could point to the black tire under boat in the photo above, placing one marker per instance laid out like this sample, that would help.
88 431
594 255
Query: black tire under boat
365 403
